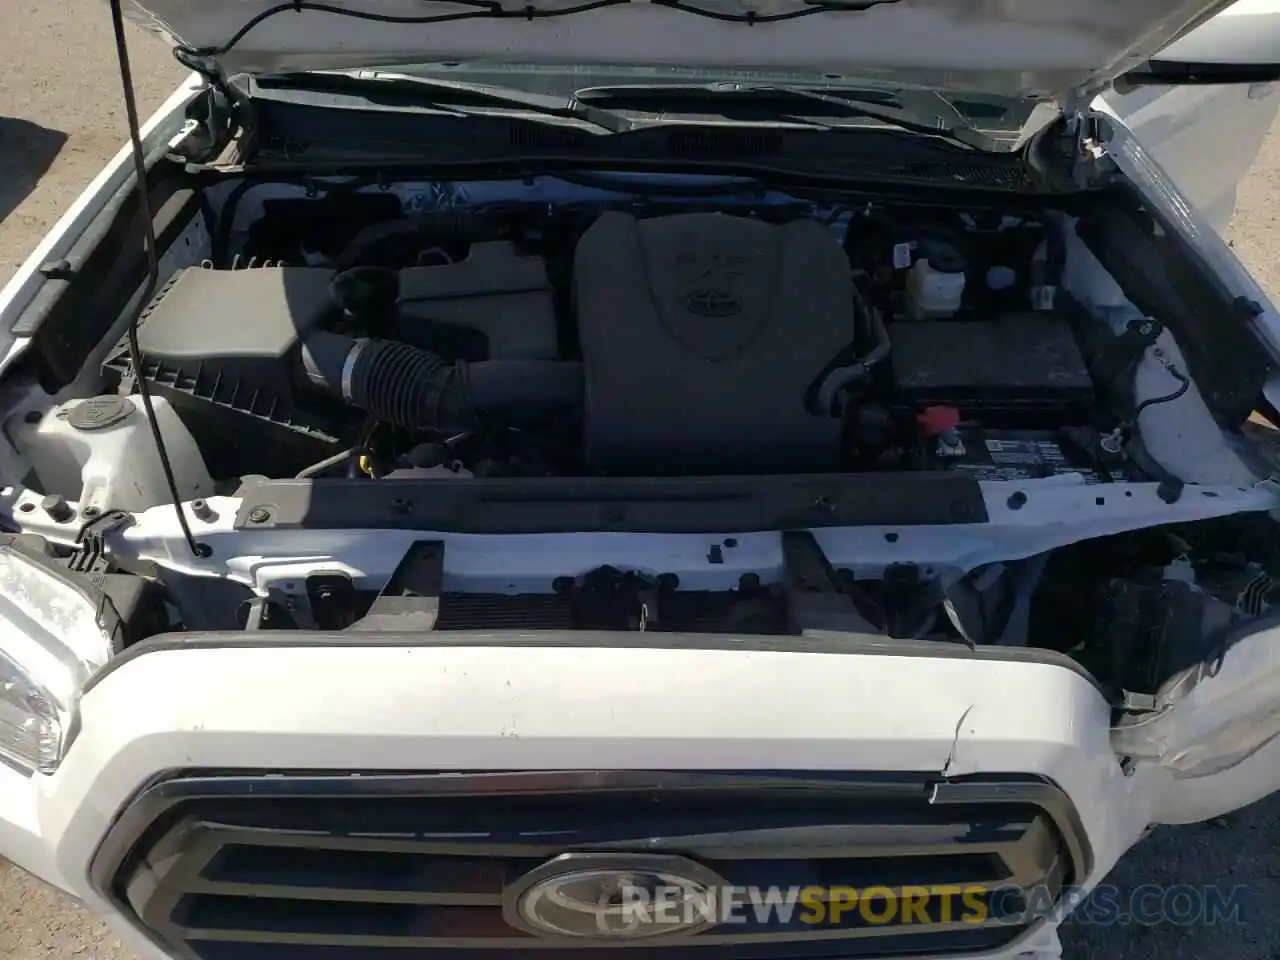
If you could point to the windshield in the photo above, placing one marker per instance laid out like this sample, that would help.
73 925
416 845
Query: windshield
1003 120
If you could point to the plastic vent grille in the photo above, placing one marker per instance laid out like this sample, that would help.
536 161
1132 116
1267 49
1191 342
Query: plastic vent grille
719 143
224 391
688 611
996 173
394 866
485 611
527 137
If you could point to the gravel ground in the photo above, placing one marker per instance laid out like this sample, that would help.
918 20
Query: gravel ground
61 117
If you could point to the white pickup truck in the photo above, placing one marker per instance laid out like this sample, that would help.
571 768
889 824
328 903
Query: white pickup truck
483 476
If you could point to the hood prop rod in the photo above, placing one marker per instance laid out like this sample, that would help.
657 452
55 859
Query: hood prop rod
198 550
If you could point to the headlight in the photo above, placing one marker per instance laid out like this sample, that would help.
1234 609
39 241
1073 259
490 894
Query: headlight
50 643
1227 746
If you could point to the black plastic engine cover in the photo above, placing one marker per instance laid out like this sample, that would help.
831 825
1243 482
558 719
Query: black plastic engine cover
494 296
701 334
221 346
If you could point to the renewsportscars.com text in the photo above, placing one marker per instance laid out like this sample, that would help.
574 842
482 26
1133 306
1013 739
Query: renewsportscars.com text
879 905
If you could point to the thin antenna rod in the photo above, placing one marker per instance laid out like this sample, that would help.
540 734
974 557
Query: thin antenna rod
153 275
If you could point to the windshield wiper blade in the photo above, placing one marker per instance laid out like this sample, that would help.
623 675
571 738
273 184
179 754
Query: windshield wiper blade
869 105
456 96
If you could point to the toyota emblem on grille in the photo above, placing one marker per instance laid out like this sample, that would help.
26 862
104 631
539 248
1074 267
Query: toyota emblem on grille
713 303
614 897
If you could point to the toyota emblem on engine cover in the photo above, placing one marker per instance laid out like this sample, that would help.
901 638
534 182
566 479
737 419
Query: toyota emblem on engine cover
713 303
614 897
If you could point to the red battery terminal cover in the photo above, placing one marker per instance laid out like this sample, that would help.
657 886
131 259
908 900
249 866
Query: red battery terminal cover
935 421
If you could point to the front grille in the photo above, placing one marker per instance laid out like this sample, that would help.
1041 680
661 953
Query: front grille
492 611
306 867
688 611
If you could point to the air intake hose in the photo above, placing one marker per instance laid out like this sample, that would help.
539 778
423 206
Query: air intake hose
418 390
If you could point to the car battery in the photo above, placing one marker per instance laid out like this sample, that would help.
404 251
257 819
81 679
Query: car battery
1016 455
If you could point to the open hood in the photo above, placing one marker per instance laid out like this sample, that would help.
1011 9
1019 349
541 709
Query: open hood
1035 49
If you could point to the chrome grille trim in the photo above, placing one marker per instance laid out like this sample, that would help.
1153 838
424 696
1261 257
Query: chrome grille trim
172 864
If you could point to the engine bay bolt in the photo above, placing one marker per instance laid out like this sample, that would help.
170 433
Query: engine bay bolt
57 508
259 515
203 511
1017 500
92 512
1112 442
1170 490
950 444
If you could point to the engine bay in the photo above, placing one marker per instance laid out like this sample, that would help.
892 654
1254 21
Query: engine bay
522 340
714 413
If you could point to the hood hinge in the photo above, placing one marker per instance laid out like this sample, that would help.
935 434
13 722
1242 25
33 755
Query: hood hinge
216 113
214 119
1092 167
1140 703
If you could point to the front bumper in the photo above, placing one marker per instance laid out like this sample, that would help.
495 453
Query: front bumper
333 707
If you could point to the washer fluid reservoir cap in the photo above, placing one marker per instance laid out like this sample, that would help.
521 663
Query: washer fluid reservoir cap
946 260
98 413
1001 278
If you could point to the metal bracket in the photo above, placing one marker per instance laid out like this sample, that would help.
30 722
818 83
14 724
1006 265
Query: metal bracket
331 597
1127 349
410 601
1139 702
816 597
91 542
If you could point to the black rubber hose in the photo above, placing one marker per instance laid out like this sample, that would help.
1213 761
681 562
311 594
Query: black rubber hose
415 389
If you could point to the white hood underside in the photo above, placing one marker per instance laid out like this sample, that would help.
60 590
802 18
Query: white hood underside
1045 49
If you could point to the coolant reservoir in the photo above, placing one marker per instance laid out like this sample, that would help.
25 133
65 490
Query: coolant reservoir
100 452
935 286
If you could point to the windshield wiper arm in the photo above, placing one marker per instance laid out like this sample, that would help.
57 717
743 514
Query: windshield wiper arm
851 104
456 95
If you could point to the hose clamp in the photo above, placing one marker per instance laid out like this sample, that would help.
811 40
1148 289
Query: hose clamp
349 367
